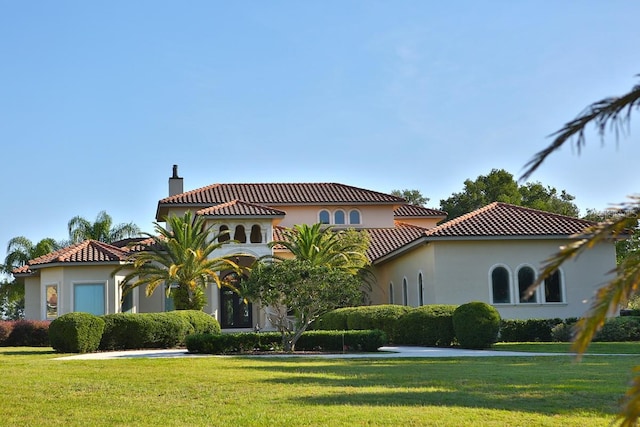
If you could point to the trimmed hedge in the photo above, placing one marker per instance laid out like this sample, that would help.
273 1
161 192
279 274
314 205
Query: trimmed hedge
335 320
476 325
201 322
527 330
127 331
76 333
619 329
247 342
6 326
383 317
27 333
428 325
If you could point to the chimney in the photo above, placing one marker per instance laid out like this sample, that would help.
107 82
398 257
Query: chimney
175 183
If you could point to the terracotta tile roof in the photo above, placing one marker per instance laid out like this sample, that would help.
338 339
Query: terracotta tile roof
87 251
413 211
384 241
281 194
240 208
135 244
502 220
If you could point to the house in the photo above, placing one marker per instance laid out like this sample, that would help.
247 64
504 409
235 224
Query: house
492 254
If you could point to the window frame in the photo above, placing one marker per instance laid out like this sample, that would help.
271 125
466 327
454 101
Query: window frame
405 291
357 212
335 217
80 283
420 289
534 299
391 294
561 288
55 286
321 214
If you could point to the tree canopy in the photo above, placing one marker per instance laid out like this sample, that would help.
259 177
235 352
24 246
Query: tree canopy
608 114
326 272
413 197
501 186
102 229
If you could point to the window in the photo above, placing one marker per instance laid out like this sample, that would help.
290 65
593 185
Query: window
420 290
240 235
405 292
89 298
224 234
500 292
324 217
256 234
354 217
51 292
234 312
553 288
339 217
526 277
126 302
391 293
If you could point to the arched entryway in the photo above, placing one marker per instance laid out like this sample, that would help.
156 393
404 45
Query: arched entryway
234 312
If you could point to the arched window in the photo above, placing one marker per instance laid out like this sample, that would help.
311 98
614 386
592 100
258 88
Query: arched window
324 217
420 289
338 217
553 288
391 293
224 234
240 235
256 234
500 289
354 217
526 277
405 292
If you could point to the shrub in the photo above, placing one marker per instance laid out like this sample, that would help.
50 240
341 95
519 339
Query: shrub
335 320
562 332
527 330
29 333
76 333
244 342
476 325
6 326
201 322
429 325
619 329
125 331
383 317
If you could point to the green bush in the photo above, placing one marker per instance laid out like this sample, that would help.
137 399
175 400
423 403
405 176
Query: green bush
125 331
335 320
246 342
76 333
29 333
476 325
619 329
562 332
429 325
383 317
527 330
201 322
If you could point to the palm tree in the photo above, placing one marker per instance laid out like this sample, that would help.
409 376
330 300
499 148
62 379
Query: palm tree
102 229
20 250
180 255
608 114
320 245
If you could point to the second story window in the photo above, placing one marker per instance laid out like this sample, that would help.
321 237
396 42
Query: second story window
223 236
324 217
354 217
240 234
339 217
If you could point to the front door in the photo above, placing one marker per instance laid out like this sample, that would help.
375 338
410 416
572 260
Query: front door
234 312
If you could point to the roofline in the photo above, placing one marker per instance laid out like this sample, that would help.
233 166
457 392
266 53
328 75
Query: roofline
75 264
402 249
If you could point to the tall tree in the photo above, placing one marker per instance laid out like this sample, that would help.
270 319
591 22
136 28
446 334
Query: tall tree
501 186
608 114
180 256
327 272
413 197
20 250
102 229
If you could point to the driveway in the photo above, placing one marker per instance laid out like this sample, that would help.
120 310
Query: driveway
385 352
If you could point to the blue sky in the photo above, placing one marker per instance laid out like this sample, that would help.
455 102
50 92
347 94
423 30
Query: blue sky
99 99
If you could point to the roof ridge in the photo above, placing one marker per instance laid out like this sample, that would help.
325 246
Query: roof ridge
554 214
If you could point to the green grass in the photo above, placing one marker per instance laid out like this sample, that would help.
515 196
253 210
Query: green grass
562 347
264 391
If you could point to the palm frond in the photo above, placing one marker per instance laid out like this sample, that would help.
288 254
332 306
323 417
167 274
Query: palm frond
608 114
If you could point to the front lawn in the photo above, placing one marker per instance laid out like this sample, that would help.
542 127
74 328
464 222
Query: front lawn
212 391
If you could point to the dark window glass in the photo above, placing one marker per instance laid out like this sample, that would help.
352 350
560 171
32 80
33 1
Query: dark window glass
553 288
354 217
224 234
240 234
339 217
526 277
324 217
234 312
420 290
500 286
256 234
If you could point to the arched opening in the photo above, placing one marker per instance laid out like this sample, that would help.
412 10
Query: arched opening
223 235
256 234
240 234
526 277
234 312
500 292
354 217
391 299
324 217
420 289
405 292
339 217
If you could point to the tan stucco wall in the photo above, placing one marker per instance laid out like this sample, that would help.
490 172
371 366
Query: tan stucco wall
370 216
458 272
32 299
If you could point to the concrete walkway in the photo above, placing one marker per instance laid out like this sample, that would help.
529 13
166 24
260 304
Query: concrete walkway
385 352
